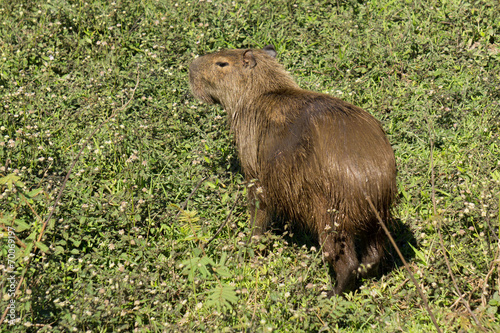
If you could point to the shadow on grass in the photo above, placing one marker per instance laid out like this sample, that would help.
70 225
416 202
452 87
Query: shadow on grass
404 237
401 233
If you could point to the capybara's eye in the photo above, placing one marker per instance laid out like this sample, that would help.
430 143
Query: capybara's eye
222 64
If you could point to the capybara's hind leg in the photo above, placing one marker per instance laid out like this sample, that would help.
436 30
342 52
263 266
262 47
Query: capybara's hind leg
259 214
340 252
259 219
372 252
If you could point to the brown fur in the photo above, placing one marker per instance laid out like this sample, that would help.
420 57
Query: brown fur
313 157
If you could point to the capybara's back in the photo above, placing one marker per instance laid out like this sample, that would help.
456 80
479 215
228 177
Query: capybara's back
310 157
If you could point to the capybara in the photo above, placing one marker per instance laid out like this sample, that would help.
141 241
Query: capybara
308 157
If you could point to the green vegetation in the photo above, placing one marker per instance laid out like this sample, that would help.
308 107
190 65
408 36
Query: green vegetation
105 84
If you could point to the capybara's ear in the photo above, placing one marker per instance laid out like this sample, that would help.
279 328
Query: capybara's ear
249 59
270 50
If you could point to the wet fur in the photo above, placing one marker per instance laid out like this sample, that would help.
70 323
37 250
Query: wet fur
313 157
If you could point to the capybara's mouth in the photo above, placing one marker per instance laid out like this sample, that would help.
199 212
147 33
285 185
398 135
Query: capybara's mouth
203 96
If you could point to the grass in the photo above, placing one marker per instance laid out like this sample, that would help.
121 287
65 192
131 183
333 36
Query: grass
104 85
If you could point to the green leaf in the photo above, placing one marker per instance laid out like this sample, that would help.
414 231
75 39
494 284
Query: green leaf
44 248
20 225
51 224
406 195
222 296
223 272
33 193
59 250
419 254
223 258
10 180
197 264
225 197
29 247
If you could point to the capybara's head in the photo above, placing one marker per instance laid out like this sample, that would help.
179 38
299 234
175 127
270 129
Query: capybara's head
223 77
